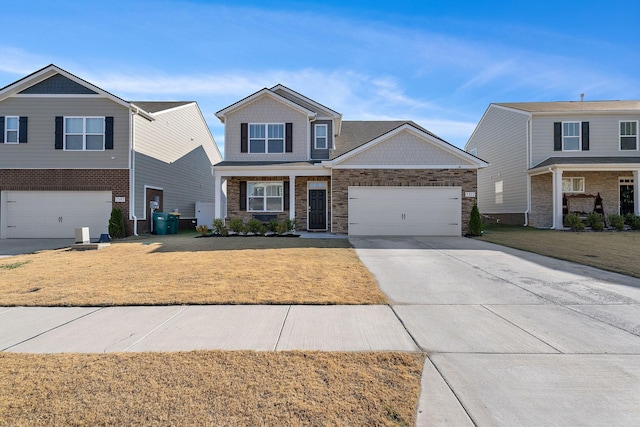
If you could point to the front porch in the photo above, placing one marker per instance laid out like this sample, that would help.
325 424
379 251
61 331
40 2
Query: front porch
563 189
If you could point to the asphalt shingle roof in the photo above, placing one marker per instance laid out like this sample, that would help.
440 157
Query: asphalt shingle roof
586 161
156 106
573 106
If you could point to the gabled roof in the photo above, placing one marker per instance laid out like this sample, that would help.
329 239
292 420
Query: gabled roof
259 94
358 132
573 106
50 71
360 139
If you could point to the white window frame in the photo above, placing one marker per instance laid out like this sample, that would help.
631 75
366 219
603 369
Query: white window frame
572 187
579 136
84 132
267 139
265 196
620 136
7 130
326 137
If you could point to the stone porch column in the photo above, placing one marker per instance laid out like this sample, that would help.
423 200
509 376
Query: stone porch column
218 196
292 197
557 199
636 191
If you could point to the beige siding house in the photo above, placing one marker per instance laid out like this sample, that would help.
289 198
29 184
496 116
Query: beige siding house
290 157
70 152
551 158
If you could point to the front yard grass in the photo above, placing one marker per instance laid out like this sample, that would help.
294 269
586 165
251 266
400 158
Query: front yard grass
608 250
181 269
210 388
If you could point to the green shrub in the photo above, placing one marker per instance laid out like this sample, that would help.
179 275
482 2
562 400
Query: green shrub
116 224
236 225
475 222
632 221
219 227
292 224
616 221
595 221
255 226
272 225
574 222
282 227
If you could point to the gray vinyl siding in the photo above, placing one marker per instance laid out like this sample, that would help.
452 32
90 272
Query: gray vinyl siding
175 152
39 152
501 140
266 110
603 136
321 112
321 154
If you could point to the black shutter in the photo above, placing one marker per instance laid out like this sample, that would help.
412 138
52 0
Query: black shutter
287 191
23 130
108 133
288 137
244 138
557 136
59 133
585 136
243 195
1 130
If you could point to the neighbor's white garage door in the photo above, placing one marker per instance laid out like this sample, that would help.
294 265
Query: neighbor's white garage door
56 214
405 211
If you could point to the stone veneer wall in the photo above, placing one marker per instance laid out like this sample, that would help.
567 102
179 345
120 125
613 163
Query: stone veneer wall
343 178
114 180
300 194
605 183
541 214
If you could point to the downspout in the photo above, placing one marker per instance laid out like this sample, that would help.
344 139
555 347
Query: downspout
132 179
526 213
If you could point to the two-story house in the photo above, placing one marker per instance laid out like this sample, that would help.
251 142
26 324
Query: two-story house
551 158
70 152
290 157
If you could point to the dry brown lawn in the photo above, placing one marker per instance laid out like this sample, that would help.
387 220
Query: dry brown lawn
210 388
181 269
613 251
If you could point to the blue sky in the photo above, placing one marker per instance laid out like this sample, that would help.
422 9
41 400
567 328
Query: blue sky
438 63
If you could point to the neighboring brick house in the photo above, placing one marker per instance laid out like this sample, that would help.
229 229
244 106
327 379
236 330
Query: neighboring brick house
70 151
551 158
289 157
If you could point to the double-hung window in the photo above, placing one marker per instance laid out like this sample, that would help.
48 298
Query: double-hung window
266 138
321 137
573 185
11 130
265 196
571 136
629 135
84 133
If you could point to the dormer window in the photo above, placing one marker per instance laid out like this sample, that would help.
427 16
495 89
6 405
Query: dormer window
266 138
321 137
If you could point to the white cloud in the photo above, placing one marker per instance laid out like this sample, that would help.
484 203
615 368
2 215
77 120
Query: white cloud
19 61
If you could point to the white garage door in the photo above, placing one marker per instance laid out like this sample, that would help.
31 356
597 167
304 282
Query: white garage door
56 214
405 211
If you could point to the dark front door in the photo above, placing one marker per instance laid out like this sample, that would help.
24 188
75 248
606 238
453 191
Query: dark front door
317 209
626 199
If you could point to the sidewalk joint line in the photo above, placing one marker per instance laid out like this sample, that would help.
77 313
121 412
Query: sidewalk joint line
450 388
406 329
155 329
286 316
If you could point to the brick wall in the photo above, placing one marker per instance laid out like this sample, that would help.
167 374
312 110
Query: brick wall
541 214
343 178
114 180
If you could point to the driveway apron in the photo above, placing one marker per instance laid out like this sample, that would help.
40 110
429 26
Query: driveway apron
512 338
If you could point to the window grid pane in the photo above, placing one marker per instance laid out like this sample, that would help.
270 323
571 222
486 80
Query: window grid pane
11 123
265 196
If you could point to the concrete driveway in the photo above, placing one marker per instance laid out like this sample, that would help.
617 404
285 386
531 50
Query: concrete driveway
9 247
513 338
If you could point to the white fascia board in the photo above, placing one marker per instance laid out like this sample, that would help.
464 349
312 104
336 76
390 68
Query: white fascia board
588 167
304 98
407 167
274 170
477 163
261 93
